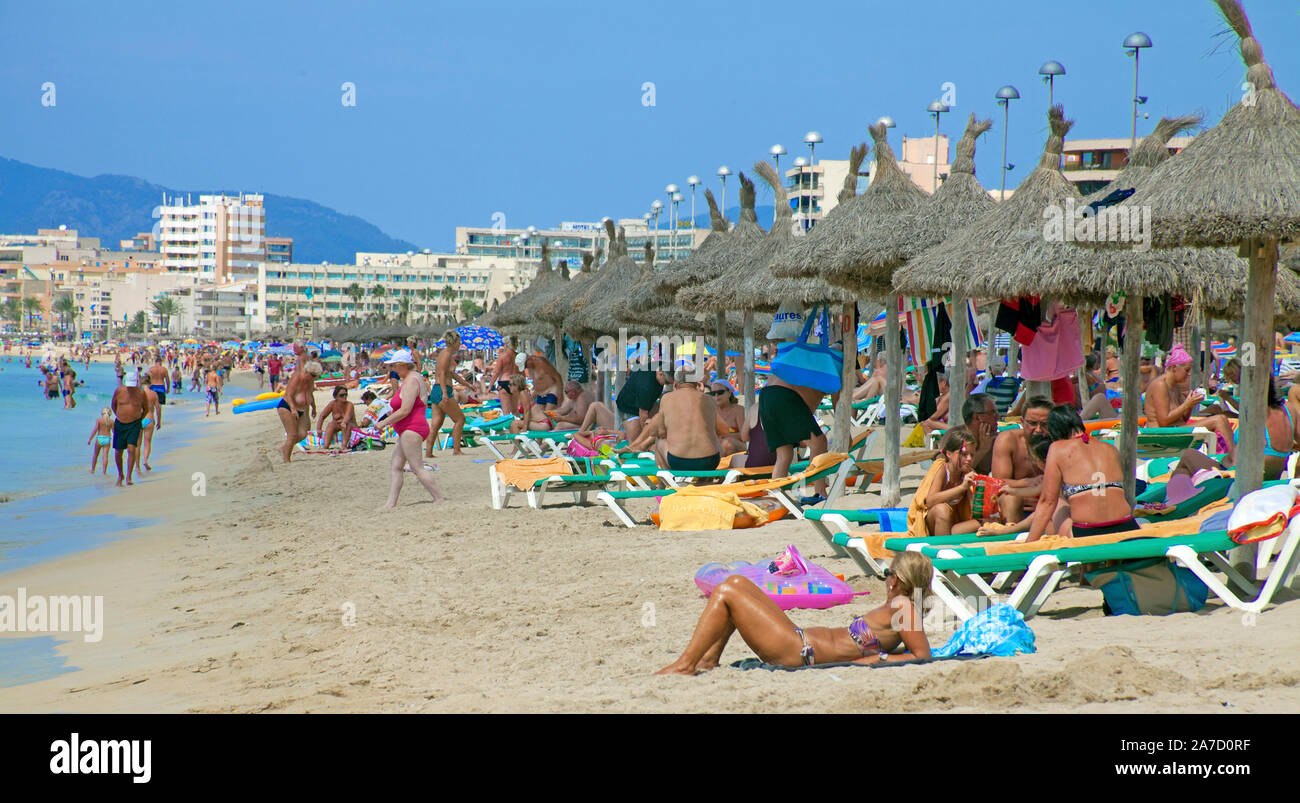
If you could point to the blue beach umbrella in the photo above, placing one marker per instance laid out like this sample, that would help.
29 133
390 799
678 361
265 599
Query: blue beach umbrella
476 337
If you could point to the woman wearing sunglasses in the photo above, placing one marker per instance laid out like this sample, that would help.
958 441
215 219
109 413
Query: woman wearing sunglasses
732 430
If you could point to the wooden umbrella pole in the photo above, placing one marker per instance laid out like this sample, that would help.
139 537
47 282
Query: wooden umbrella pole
749 359
1133 333
1013 358
1256 352
890 486
842 435
1207 349
721 363
1196 379
957 372
561 358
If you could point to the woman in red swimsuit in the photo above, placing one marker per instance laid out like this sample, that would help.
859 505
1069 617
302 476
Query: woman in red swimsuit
411 426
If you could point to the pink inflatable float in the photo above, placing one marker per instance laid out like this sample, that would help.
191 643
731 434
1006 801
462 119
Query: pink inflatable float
789 580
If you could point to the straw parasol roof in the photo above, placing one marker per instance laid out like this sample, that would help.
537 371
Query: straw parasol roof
518 309
986 259
676 275
644 311
835 248
1239 180
593 312
711 264
960 201
567 298
749 284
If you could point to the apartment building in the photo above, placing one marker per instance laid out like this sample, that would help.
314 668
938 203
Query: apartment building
217 238
1091 164
233 308
279 249
917 159
574 238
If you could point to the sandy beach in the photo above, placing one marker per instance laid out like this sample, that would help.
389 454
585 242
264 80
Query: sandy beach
284 588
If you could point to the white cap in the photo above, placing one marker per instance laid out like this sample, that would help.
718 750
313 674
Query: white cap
131 380
401 355
520 359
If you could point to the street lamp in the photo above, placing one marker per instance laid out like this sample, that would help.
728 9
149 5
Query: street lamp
1049 71
723 172
813 139
671 189
777 151
1133 45
936 108
693 181
655 208
800 163
1005 95
677 198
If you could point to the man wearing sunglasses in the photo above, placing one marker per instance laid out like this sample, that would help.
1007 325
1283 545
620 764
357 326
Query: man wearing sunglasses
1011 460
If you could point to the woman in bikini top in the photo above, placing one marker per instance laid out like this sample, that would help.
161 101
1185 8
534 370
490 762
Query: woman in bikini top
1082 508
737 605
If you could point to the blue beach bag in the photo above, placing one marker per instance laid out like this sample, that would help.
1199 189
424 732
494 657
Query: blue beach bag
808 365
1153 587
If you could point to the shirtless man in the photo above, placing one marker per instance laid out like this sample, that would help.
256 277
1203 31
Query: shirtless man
875 384
1011 460
598 417
502 370
51 383
69 381
731 418
158 384
1169 404
299 399
128 406
212 383
786 413
546 381
442 400
151 422
573 411
685 432
343 419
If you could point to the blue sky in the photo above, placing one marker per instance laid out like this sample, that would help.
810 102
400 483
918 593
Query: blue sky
535 109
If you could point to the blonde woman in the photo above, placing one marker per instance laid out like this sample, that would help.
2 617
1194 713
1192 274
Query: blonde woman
737 605
101 435
407 419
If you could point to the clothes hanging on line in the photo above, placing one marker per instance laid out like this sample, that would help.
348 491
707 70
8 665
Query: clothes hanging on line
1021 317
1056 350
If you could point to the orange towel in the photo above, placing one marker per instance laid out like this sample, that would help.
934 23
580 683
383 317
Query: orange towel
916 526
1164 529
523 474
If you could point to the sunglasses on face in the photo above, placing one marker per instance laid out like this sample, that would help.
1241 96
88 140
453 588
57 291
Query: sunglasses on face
718 392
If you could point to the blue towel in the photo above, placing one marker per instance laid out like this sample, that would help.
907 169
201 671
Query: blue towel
998 630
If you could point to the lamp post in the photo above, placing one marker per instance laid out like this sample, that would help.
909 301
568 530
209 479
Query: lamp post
723 172
1049 71
813 139
800 163
936 108
671 189
693 181
655 208
1005 95
1133 45
677 198
777 151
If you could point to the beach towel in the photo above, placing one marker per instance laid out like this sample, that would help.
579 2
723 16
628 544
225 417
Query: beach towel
997 630
523 474
705 508
916 526
747 664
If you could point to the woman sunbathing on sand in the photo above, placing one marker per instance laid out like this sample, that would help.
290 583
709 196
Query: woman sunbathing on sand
739 605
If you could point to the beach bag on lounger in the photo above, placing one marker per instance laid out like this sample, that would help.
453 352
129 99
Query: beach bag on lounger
1153 587
811 366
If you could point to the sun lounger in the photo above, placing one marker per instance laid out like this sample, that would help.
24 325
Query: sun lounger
958 583
1158 441
562 474
783 489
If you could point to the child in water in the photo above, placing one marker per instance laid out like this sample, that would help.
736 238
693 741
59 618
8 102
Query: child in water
102 435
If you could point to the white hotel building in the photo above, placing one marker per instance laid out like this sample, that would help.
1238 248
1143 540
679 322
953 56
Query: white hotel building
220 238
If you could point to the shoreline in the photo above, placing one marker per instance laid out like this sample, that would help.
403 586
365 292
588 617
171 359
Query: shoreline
285 589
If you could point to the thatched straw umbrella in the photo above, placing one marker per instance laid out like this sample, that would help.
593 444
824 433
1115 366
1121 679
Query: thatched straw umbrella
592 313
886 204
518 309
749 285
673 276
1238 184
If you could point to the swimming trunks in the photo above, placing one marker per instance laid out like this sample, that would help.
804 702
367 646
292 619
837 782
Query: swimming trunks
126 434
439 392
161 390
693 463
547 398
284 404
51 394
503 385
103 440
214 395
1125 524
786 420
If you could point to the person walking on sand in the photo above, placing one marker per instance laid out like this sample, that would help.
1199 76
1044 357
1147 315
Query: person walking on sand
213 390
148 425
158 384
442 402
101 435
128 405
502 370
298 400
407 419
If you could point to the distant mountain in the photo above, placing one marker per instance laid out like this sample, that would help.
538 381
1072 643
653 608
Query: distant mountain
115 208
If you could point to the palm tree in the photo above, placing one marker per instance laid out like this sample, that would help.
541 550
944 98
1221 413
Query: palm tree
139 324
427 294
66 308
404 308
31 306
378 292
165 308
12 310
355 292
449 294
